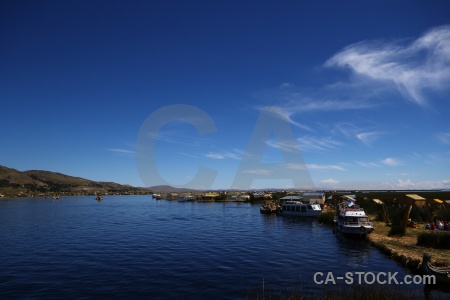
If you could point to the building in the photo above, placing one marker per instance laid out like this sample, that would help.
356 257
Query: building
291 198
314 197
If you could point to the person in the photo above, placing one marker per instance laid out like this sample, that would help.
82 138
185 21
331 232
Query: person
433 227
446 226
428 226
439 225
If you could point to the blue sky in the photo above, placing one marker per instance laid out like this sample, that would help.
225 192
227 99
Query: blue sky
347 94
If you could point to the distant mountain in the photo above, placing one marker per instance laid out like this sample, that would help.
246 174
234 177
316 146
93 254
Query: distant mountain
168 189
38 182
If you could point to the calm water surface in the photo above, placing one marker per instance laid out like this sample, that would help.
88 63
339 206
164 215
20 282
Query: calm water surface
134 246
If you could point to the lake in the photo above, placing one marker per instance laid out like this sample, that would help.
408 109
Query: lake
138 247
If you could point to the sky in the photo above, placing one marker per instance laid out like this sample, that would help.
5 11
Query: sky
229 94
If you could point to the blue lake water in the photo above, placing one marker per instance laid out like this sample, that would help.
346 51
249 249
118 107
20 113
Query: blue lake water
137 247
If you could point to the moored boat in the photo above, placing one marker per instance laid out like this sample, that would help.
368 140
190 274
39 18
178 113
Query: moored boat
300 209
268 208
351 220
185 198
442 274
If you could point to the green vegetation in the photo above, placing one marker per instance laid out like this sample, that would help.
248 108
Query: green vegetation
396 216
327 217
434 239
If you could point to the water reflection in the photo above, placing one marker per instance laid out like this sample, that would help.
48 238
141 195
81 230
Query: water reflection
430 290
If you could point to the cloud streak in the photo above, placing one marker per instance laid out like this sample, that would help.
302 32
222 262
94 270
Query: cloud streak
123 151
285 115
391 162
314 167
443 137
411 68
223 155
298 101
306 143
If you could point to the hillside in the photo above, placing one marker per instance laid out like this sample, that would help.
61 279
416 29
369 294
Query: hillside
41 183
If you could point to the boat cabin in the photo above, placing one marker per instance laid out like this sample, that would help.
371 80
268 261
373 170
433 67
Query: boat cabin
297 208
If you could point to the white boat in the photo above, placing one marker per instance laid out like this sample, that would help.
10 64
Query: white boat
300 209
185 198
352 220
156 196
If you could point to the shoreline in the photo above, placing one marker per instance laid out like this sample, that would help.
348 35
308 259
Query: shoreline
404 249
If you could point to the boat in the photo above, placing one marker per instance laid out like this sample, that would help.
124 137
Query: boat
185 198
351 220
299 209
442 274
156 196
99 198
268 208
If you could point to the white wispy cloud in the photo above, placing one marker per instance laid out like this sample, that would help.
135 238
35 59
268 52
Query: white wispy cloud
368 137
390 161
325 167
405 184
314 167
411 185
124 151
330 183
235 154
306 143
351 131
367 164
223 155
411 67
321 104
284 113
309 143
437 158
286 146
443 137
292 102
300 102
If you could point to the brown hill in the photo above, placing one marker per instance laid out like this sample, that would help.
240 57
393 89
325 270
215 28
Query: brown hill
13 177
39 182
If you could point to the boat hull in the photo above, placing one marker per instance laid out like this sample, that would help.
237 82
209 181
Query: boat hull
360 231
442 274
267 211
309 214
